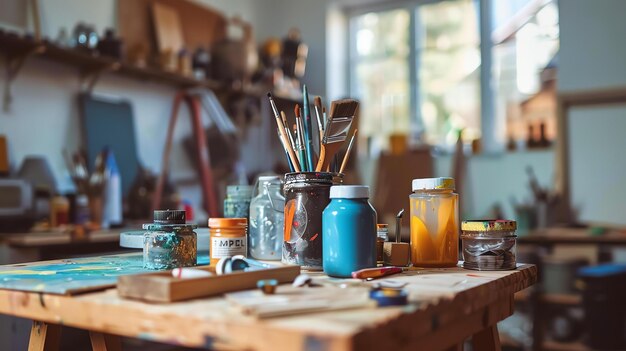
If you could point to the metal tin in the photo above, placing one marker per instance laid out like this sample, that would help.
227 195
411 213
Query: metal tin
169 242
489 245
306 196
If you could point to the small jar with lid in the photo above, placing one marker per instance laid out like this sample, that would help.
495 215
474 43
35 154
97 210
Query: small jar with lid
434 223
382 236
237 201
228 237
349 231
489 245
169 242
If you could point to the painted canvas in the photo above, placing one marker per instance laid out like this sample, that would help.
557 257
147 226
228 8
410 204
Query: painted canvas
75 275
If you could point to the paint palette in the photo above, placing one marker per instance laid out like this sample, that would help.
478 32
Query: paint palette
73 276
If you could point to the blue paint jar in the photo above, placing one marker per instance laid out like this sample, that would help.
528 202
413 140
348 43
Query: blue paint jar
348 231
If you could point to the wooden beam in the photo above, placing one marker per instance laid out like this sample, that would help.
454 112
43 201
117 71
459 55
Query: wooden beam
487 339
105 342
44 337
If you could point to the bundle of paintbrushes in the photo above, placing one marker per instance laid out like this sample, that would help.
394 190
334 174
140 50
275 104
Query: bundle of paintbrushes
331 134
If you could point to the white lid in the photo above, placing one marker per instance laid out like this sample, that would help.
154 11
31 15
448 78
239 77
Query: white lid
349 192
433 183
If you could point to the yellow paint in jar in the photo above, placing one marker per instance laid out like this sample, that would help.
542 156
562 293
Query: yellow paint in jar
434 223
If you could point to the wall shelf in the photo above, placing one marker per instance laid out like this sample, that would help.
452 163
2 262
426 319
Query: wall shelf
18 48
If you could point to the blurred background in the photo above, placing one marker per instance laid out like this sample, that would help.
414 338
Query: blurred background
522 101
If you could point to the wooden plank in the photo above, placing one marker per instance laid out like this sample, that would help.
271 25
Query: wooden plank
105 342
446 304
44 337
162 287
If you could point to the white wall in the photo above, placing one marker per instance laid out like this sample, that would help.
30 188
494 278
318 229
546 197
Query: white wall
592 54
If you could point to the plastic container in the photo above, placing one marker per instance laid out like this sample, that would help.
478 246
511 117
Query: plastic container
604 288
168 242
434 223
348 231
228 237
267 220
306 196
489 245
237 201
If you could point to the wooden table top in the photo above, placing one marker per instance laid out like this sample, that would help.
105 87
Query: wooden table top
581 236
443 304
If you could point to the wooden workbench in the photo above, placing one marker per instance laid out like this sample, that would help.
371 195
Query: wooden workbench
446 307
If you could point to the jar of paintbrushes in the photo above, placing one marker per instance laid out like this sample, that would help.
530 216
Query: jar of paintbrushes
306 196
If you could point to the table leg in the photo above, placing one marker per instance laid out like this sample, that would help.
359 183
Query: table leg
105 342
44 337
487 339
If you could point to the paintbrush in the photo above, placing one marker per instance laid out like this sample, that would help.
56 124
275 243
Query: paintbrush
289 135
344 163
339 121
300 140
283 135
307 128
320 125
299 147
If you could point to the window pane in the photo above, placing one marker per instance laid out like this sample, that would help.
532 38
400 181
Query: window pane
380 34
526 42
449 70
384 92
380 73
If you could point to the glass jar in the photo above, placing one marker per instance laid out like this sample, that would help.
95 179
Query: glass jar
306 196
237 201
489 245
348 231
168 242
382 235
228 237
434 223
267 220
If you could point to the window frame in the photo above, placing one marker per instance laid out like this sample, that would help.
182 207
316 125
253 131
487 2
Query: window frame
488 124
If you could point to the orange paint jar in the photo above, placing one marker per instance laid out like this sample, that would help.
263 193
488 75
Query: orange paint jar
228 237
434 223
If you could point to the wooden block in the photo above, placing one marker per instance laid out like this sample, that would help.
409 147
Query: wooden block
163 287
396 254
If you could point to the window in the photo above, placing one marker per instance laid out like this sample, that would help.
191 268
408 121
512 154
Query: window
417 70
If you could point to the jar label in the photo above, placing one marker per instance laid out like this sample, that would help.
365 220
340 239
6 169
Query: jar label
226 247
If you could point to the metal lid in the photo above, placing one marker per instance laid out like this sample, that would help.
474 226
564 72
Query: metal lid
489 225
228 222
350 192
309 177
433 183
382 226
169 217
